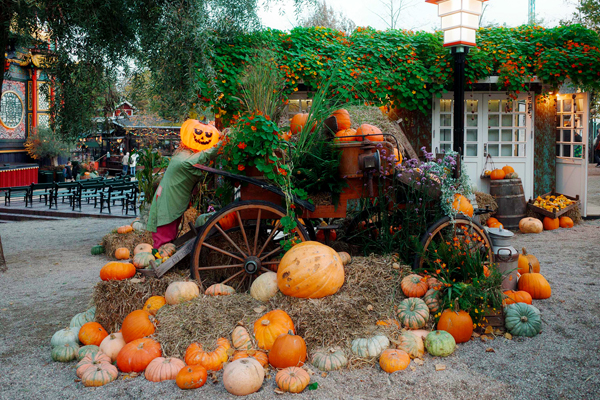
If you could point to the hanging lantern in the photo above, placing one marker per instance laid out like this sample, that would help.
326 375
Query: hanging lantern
460 20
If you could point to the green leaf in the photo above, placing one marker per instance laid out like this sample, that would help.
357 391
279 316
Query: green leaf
313 386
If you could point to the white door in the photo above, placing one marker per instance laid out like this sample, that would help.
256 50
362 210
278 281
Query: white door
494 124
571 151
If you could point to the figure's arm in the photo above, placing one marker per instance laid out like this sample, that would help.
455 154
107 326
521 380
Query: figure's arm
202 157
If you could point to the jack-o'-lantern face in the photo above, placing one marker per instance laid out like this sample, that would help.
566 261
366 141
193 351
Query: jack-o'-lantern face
198 136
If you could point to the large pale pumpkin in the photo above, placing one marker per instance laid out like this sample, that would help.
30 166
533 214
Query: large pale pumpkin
198 136
163 369
531 225
142 248
264 287
136 325
268 327
413 313
112 345
310 270
370 347
329 359
243 377
180 292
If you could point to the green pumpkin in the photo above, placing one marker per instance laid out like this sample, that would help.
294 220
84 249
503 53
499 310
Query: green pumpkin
522 319
329 360
413 313
440 343
65 352
85 350
83 318
64 336
370 347
96 250
142 260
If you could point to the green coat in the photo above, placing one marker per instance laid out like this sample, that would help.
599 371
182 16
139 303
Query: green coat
175 190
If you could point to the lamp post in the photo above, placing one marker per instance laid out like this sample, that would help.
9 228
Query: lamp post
460 21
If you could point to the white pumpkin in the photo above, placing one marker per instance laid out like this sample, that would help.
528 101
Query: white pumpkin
64 336
180 292
112 344
243 377
138 226
264 287
370 347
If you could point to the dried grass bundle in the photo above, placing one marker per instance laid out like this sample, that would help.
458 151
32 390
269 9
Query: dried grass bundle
114 240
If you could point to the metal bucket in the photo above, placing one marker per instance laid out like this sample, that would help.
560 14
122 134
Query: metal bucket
510 197
505 255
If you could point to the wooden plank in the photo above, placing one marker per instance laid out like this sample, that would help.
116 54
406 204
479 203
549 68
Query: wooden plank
406 144
175 258
3 267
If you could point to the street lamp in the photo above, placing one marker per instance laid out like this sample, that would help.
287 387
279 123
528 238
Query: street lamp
460 21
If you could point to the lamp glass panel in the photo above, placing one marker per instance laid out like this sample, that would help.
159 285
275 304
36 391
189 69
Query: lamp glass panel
452 35
468 35
451 21
470 20
473 6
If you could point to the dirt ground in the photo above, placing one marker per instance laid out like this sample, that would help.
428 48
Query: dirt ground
51 274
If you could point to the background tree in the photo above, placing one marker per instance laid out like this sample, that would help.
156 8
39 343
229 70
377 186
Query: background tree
394 9
326 16
588 14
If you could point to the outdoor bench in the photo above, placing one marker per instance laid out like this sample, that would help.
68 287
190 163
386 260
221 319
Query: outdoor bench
11 191
115 193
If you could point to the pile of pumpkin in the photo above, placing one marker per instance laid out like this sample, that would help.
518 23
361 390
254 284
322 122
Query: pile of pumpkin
506 172
143 254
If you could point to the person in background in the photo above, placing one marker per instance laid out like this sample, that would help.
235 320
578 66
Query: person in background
133 163
68 172
125 163
75 170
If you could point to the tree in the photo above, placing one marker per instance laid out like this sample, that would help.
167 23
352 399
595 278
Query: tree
43 143
394 10
322 15
588 14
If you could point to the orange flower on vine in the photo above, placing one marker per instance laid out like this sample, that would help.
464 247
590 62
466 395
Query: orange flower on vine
242 145
241 167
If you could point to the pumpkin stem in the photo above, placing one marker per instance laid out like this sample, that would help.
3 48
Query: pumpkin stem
524 251
523 318
530 266
265 322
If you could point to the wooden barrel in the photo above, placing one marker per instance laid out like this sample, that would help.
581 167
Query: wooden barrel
510 197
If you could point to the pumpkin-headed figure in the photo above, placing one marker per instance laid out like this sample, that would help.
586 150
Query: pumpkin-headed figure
198 136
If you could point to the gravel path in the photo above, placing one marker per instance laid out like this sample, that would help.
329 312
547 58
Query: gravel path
51 275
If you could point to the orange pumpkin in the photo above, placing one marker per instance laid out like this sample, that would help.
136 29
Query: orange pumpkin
136 355
191 377
366 129
288 350
497 174
392 360
163 369
491 221
122 253
198 136
508 169
551 224
525 260
310 270
211 360
258 355
298 122
137 325
117 271
347 135
124 229
342 117
414 286
496 225
462 205
565 222
321 235
153 304
268 327
292 380
513 296
535 284
458 324
92 333
228 221
398 156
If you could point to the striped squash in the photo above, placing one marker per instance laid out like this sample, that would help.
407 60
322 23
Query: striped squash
329 360
412 344
413 313
432 299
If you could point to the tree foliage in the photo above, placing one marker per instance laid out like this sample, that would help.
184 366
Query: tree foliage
588 14
327 17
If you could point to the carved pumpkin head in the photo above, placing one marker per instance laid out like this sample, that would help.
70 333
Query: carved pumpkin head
198 136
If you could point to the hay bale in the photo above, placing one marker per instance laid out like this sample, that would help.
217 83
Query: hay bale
485 200
370 292
115 299
114 240
190 215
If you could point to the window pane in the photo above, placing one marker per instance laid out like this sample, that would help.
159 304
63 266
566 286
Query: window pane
577 151
471 135
11 109
558 132
520 135
494 135
507 135
566 135
559 106
519 150
566 121
445 147
493 105
507 120
446 120
558 151
494 150
445 105
522 105
472 120
567 105
506 150
579 105
520 119
471 106
471 150
577 136
493 120
507 106
578 121
566 150
445 135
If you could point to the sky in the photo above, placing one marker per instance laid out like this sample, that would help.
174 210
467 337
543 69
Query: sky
423 16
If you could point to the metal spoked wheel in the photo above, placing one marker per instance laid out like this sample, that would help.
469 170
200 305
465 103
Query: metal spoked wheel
466 230
249 246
